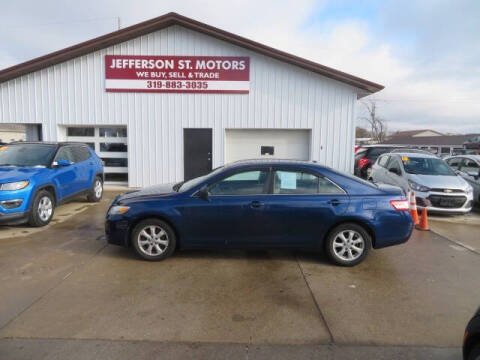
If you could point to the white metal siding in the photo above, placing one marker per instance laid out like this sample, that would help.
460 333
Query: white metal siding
281 96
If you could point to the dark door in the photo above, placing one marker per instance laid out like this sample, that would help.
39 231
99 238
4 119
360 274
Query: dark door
302 207
232 214
197 152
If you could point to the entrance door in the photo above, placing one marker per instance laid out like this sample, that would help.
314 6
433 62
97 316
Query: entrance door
197 152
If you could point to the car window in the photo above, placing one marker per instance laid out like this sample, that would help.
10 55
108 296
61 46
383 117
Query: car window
26 155
251 182
393 163
296 182
383 160
454 163
376 151
80 153
470 166
65 153
426 166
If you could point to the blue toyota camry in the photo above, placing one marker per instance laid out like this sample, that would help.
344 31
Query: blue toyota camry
262 204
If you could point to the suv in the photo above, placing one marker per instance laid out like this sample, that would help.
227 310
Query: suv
365 157
35 177
435 184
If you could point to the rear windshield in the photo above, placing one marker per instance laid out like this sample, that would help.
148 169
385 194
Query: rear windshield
426 166
26 155
376 151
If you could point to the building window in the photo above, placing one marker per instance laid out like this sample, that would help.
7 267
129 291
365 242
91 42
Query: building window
115 162
116 177
80 131
113 147
113 132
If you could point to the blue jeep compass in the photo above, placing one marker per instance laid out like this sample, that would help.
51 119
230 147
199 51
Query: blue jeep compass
36 176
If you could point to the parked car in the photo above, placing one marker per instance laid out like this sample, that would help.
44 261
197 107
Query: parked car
471 338
366 156
35 177
435 184
262 204
468 167
415 151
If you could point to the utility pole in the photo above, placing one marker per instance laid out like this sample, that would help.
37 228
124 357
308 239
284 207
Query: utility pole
118 23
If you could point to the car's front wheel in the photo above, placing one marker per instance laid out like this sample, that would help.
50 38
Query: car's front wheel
348 244
43 207
153 239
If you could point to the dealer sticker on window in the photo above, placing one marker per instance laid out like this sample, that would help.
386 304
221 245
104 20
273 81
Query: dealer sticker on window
288 180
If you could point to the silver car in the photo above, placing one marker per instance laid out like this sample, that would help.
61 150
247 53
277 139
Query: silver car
437 187
468 167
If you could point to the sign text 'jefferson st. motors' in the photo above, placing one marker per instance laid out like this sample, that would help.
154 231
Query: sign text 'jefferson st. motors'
180 74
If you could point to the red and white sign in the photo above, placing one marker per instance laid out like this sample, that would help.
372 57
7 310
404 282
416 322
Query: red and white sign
177 74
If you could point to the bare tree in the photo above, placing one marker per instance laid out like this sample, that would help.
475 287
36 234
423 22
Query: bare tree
378 126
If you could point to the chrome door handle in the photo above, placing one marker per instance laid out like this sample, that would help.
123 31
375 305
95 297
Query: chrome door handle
256 204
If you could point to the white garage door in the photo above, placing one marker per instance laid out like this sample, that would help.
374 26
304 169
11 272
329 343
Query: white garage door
110 144
256 144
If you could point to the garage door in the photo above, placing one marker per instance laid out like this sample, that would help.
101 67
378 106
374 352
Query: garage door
110 144
255 144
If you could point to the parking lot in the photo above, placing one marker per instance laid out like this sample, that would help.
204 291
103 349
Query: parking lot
66 293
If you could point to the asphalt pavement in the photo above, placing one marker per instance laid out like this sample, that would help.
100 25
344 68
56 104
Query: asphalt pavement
67 294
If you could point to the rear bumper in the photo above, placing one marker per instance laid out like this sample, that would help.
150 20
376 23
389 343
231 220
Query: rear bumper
14 218
394 229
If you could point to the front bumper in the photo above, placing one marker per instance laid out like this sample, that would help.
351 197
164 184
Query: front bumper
441 202
117 231
14 218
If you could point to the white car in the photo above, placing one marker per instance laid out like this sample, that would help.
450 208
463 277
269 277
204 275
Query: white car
468 167
437 187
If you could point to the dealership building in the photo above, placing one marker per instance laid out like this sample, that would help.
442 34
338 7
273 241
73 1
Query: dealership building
172 98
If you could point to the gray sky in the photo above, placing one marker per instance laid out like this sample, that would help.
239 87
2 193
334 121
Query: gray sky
426 53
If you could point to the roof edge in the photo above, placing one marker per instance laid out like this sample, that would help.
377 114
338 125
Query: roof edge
170 19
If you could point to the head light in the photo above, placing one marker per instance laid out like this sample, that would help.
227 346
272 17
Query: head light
417 187
118 210
18 185
469 189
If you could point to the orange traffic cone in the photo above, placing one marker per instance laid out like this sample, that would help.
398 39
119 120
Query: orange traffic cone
423 221
413 208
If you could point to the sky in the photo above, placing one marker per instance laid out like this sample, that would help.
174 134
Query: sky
426 53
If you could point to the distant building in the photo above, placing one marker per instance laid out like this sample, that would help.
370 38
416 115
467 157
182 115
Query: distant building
417 133
438 144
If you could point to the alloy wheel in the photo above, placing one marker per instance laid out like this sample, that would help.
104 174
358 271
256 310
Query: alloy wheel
98 189
348 245
153 240
45 208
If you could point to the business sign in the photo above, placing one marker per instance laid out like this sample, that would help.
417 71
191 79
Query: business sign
177 74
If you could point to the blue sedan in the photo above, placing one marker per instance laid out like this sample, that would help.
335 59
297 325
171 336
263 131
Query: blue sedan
263 204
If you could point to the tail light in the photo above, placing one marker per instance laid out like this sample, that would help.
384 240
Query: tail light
363 162
400 205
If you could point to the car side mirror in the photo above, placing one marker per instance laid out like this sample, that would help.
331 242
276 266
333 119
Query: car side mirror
394 171
203 193
62 162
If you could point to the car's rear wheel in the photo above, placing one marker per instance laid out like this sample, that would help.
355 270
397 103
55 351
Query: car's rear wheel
153 239
43 207
348 244
96 192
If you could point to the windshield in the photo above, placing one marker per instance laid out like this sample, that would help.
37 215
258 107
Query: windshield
426 166
26 155
187 185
